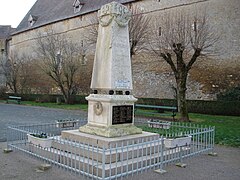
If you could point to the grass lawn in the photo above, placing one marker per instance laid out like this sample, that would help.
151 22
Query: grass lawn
55 105
227 128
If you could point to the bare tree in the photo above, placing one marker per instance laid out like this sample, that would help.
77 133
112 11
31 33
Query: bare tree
26 75
92 31
60 60
11 69
180 39
17 72
138 31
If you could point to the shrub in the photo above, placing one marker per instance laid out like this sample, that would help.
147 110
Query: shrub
44 99
232 94
230 108
79 99
3 90
42 135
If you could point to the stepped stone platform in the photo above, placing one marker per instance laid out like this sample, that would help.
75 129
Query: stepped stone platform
113 149
108 161
106 157
100 155
100 142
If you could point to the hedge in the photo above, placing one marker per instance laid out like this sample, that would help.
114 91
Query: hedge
232 94
79 99
229 108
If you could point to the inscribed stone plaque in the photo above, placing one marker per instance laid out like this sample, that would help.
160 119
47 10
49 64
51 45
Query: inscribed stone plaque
122 114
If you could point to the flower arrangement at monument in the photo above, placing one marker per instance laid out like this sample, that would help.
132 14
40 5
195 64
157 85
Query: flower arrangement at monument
41 140
65 123
177 141
159 124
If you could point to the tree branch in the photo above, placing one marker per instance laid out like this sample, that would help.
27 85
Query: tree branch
168 58
196 54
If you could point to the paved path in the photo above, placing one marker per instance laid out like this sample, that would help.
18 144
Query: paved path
11 114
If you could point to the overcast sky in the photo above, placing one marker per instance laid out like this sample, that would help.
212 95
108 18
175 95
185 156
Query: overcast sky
13 11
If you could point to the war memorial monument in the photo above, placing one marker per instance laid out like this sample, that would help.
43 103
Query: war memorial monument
110 145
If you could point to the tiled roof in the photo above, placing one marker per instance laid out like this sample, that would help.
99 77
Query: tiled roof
49 11
5 31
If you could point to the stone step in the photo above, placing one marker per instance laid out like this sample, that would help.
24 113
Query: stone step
122 164
114 155
91 166
99 141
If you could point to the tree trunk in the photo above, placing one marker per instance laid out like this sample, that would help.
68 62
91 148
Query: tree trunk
65 96
68 98
181 98
15 89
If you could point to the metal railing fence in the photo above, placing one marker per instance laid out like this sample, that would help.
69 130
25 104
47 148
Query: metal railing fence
117 159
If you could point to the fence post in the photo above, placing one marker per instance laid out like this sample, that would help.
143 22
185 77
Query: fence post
8 134
161 170
103 163
8 139
180 164
162 149
212 153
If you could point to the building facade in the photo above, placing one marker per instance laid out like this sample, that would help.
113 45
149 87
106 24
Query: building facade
151 77
5 32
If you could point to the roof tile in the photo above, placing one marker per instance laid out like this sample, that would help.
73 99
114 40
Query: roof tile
49 11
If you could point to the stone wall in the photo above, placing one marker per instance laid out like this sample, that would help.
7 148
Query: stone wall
152 77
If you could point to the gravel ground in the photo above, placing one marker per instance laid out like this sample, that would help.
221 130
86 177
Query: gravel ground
225 166
19 166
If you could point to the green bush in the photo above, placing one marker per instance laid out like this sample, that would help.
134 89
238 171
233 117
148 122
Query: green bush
230 95
44 98
80 99
229 108
3 90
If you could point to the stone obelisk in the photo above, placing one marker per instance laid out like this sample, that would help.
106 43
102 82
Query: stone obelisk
111 104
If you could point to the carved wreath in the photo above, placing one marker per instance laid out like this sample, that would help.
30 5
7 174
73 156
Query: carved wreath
121 19
98 108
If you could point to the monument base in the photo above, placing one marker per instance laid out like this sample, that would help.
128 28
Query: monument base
111 131
100 141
